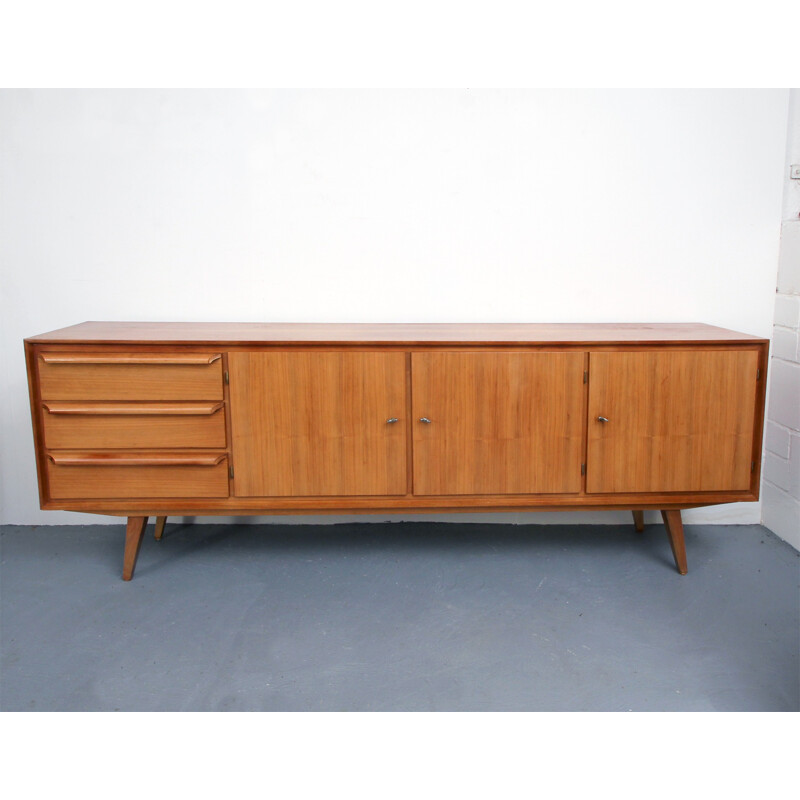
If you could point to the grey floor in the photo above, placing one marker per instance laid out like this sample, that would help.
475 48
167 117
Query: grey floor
404 616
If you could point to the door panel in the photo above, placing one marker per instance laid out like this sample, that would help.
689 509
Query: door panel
315 423
501 423
678 420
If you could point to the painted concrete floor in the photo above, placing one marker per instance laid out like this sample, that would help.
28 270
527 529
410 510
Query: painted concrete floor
403 616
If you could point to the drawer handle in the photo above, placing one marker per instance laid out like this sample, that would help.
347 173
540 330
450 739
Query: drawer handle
185 359
391 420
425 420
137 459
134 409
602 419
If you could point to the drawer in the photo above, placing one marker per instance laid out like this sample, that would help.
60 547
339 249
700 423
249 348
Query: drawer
88 425
130 376
91 476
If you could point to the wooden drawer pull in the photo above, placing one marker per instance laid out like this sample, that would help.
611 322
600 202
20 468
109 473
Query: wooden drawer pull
134 409
187 359
137 459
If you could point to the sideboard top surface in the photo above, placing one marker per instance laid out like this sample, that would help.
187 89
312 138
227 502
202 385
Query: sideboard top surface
411 334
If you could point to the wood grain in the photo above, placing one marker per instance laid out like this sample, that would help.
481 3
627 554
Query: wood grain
31 365
308 423
105 489
394 504
228 429
130 381
678 420
93 480
758 427
131 458
133 542
132 425
94 409
127 359
501 423
674 526
411 334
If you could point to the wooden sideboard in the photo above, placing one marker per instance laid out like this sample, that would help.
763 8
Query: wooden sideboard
158 419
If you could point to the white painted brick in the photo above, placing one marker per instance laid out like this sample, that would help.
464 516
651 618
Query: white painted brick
784 343
778 471
784 402
780 492
787 310
777 440
794 465
781 514
789 264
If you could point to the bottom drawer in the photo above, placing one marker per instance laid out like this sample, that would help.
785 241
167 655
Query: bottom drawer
94 476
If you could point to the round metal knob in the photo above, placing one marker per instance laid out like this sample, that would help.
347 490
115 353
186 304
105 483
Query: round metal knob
602 419
391 420
425 420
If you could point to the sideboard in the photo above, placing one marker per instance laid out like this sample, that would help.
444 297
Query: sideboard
155 419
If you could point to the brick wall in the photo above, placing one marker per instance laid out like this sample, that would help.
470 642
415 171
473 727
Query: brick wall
780 493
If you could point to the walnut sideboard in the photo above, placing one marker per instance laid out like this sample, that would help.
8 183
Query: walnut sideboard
158 419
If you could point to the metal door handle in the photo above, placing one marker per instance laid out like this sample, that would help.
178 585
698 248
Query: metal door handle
391 420
425 420
602 419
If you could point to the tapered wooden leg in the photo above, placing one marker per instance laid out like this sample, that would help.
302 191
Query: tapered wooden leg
638 520
133 541
160 523
674 525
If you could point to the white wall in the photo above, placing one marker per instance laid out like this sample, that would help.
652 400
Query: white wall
381 206
780 494
791 188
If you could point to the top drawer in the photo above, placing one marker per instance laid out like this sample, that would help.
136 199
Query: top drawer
130 376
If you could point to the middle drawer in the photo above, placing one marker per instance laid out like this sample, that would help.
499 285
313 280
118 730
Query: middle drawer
74 425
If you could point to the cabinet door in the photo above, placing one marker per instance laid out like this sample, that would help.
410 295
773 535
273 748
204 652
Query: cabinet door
677 420
500 423
308 423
